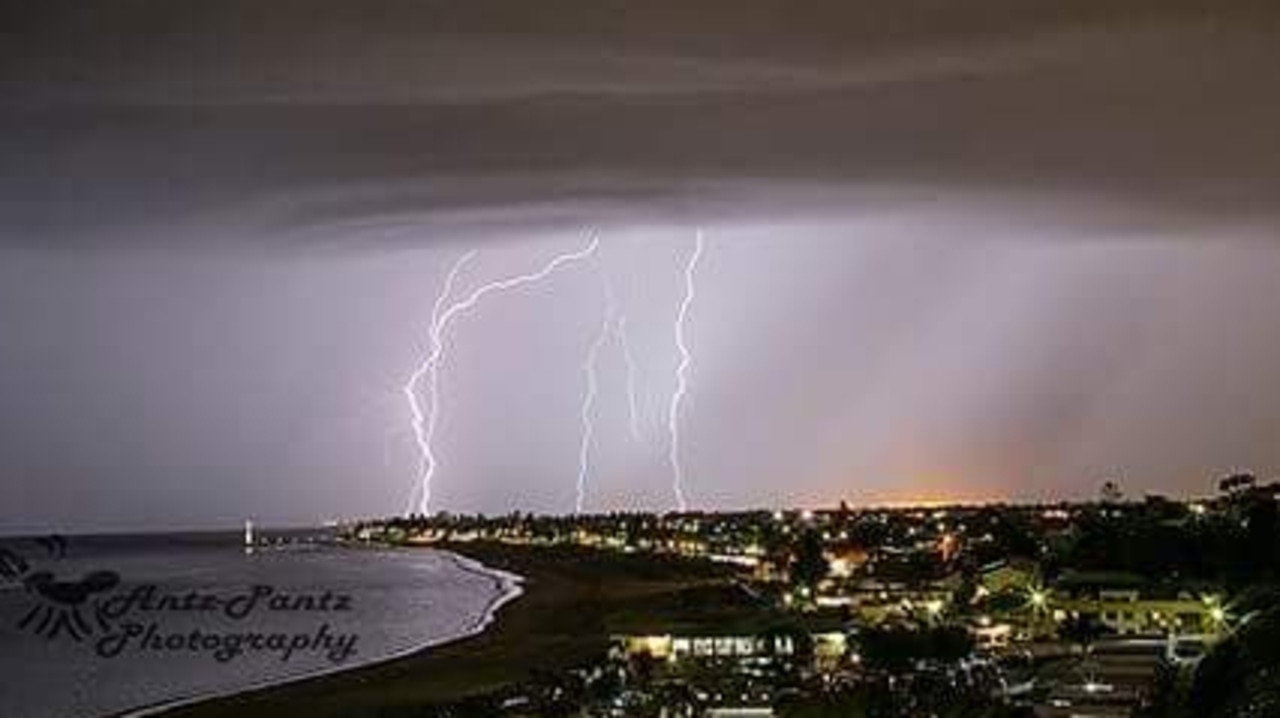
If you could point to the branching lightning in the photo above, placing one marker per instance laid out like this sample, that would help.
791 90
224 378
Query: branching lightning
614 326
589 400
424 423
425 379
682 371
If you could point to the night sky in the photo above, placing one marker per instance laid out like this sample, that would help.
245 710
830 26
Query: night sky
956 250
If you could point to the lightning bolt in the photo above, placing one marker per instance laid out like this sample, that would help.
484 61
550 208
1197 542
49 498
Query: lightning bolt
624 341
613 326
682 371
424 423
589 400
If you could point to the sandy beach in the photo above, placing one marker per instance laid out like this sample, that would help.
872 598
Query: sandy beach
572 600
509 588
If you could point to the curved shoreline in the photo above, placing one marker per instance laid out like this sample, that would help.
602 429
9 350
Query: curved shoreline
510 587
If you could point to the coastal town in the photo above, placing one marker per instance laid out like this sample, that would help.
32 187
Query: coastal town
1110 608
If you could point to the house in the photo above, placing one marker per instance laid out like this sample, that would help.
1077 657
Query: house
1016 575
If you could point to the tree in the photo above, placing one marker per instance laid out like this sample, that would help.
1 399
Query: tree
897 649
1240 676
892 650
809 565
967 592
950 644
1111 493
1237 483
852 703
643 668
1083 630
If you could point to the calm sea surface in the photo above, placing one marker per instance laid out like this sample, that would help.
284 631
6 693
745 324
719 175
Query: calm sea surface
194 615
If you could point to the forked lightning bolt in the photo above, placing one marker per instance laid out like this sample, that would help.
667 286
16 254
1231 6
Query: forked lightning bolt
424 424
682 371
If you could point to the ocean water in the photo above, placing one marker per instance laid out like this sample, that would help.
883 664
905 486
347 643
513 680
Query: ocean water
193 616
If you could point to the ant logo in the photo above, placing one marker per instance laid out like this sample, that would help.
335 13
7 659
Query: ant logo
60 605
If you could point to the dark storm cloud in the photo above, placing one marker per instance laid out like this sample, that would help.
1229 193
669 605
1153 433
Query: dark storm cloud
146 121
896 301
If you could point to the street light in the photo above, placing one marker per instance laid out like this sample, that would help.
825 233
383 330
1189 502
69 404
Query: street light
1217 612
